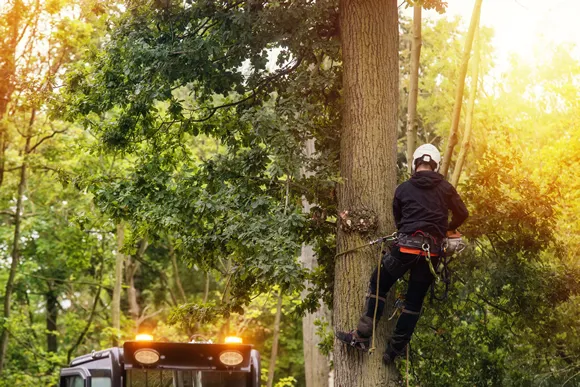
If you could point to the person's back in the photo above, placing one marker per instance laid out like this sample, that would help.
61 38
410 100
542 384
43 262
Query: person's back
423 203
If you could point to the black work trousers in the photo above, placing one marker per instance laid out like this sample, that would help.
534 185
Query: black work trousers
394 266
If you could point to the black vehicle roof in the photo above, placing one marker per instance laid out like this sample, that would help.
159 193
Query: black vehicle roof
115 353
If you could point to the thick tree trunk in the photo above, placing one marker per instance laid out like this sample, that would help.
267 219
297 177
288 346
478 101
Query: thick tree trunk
15 250
452 141
466 142
51 320
369 35
275 339
116 302
316 365
413 87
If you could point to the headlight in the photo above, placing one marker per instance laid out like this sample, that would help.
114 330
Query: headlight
146 356
231 358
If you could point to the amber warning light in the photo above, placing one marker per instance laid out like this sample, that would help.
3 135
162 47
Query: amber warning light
233 340
143 337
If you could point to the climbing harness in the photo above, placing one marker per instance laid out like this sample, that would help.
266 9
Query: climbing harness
399 306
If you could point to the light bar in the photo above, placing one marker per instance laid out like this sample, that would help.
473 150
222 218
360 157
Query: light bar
143 337
233 340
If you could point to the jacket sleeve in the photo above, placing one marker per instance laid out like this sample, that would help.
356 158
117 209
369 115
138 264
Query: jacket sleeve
458 210
397 210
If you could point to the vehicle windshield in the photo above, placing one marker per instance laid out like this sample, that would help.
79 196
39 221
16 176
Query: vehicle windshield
185 378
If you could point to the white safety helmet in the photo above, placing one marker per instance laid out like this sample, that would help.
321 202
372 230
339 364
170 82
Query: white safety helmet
427 153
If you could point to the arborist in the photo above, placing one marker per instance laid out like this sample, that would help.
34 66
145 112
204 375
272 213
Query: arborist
421 207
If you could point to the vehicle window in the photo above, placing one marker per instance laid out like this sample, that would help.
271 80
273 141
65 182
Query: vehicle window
100 381
74 381
185 378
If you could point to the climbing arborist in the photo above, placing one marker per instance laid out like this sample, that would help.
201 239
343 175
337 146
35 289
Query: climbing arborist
421 207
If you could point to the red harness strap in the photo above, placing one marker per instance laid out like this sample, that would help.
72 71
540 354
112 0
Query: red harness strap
409 250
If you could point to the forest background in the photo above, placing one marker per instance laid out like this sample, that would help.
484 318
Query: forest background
157 174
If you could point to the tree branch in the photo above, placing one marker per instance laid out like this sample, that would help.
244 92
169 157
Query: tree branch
54 133
253 93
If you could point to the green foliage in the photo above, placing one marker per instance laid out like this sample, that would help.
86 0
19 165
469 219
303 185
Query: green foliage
193 137
326 335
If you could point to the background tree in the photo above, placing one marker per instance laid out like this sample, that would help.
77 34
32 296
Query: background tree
413 86
452 141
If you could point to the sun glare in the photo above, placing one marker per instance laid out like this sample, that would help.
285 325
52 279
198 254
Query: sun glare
525 28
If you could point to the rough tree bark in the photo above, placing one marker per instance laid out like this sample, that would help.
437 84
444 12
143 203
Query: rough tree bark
466 141
452 141
368 149
316 365
116 302
413 87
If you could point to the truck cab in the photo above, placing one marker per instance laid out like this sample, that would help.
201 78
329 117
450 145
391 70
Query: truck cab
145 363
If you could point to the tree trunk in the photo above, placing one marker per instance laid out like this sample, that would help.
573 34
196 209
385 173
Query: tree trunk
368 151
466 142
7 71
413 87
132 266
130 270
116 302
176 272
452 141
206 289
15 250
225 328
316 365
275 339
96 299
51 320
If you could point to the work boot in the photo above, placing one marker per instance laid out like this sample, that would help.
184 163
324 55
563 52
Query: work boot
388 358
354 339
390 355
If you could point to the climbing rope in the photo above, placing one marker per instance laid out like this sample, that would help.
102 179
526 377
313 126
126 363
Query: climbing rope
373 347
388 238
407 365
427 251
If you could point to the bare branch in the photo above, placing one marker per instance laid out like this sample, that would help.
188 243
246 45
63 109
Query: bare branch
54 133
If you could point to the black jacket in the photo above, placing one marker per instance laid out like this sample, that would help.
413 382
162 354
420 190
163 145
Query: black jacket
423 203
